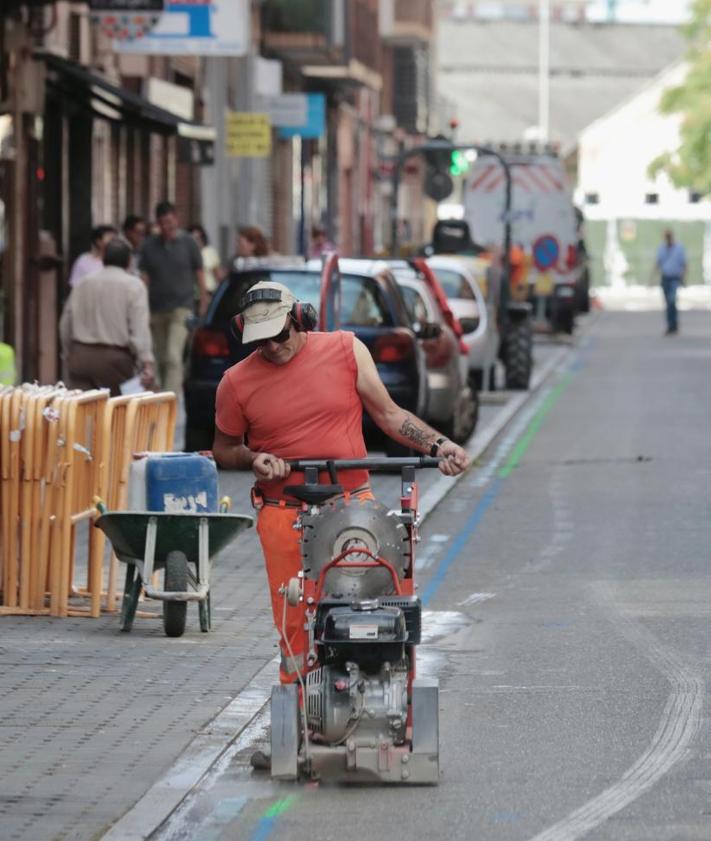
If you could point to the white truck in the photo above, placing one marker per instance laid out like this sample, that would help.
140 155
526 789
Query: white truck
543 226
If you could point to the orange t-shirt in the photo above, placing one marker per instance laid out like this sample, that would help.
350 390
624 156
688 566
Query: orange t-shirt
307 408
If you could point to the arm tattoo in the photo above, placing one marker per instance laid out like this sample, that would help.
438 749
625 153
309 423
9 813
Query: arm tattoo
416 434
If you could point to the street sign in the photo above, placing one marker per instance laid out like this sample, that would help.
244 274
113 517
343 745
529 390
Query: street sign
314 125
125 19
196 27
126 5
546 251
247 135
288 110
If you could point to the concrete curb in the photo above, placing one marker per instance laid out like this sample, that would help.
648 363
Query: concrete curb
209 745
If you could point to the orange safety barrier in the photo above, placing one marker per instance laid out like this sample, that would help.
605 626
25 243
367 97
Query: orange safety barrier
58 450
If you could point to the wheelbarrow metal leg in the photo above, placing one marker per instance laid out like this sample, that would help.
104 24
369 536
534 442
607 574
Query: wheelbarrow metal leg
205 614
131 592
203 573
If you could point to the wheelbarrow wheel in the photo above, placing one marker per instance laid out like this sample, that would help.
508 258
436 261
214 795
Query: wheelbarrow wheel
176 579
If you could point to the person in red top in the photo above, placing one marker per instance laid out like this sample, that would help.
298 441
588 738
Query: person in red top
301 395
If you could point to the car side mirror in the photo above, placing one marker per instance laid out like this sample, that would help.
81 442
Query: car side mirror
469 325
428 330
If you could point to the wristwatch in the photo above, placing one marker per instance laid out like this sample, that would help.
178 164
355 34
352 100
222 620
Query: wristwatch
437 444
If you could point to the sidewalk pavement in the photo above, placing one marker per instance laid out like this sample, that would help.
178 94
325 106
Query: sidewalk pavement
90 718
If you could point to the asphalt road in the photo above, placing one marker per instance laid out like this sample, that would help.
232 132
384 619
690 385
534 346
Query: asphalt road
568 595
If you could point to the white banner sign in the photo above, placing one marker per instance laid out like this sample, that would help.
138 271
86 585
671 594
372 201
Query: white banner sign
196 27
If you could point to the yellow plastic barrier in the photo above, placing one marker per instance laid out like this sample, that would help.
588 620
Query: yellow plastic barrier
58 450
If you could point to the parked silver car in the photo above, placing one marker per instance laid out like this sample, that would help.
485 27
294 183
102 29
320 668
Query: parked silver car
462 279
452 404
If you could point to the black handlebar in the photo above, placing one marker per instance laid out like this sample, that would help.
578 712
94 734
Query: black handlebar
373 464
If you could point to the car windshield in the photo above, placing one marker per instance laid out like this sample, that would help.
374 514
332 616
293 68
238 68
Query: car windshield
362 303
454 284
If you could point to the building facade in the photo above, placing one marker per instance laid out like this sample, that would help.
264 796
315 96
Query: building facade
91 132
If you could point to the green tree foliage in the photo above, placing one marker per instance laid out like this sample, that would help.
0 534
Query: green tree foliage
690 165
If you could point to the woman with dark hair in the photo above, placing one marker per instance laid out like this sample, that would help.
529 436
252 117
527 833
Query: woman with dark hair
214 273
251 242
92 261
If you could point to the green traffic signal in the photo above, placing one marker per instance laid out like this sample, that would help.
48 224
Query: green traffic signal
458 163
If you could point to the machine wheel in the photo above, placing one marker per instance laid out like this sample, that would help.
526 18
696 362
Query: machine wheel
465 417
176 579
285 732
197 438
518 355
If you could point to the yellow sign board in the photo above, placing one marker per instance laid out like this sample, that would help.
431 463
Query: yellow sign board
247 135
544 284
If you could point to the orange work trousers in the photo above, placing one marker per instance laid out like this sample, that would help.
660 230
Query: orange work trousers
281 545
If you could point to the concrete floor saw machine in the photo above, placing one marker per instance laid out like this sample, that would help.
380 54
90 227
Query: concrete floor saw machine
357 713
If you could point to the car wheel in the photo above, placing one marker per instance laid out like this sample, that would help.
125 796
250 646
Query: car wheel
465 417
197 439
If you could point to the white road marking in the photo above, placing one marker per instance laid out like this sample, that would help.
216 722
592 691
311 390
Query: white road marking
475 598
677 728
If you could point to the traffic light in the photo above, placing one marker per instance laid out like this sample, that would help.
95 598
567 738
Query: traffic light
458 164
438 183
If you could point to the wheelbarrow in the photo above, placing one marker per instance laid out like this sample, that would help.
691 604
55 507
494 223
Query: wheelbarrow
148 541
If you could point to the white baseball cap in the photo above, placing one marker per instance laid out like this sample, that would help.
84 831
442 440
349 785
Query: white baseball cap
265 316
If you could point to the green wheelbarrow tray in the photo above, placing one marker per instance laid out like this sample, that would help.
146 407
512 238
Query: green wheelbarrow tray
144 540
128 531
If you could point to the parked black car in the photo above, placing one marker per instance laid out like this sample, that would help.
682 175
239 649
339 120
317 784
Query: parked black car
370 305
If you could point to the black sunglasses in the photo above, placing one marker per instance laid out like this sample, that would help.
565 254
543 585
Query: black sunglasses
279 339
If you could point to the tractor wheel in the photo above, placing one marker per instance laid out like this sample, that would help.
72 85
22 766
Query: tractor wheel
176 579
518 357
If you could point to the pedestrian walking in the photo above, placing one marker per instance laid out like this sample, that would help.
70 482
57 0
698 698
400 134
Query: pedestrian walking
134 233
171 265
214 273
320 243
104 327
251 242
93 260
671 264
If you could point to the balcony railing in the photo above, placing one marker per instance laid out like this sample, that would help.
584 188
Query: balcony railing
303 31
365 39
296 15
334 39
406 21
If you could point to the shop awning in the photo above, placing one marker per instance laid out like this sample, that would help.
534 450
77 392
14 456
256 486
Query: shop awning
90 90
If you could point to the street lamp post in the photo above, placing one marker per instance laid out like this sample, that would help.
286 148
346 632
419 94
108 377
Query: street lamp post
544 49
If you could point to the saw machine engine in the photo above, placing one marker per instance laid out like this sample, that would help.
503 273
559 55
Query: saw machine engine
358 713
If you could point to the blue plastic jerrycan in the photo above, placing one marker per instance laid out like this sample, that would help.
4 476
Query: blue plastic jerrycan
178 483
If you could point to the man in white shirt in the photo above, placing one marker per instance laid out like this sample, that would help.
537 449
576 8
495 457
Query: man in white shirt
105 329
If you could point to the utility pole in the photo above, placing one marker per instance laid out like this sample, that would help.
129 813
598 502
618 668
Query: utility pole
544 51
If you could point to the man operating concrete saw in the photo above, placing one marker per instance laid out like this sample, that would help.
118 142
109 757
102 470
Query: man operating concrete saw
301 394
